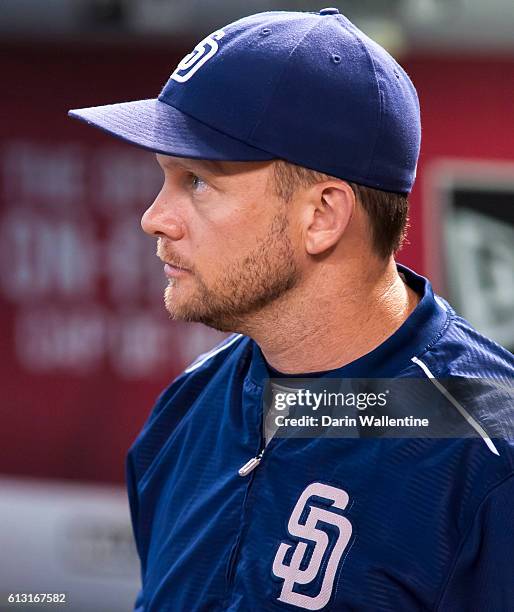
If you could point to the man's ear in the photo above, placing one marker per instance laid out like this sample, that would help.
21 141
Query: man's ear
332 204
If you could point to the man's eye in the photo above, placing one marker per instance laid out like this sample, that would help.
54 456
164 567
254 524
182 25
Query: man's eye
196 182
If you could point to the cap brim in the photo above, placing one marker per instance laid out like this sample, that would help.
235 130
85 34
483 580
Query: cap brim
159 127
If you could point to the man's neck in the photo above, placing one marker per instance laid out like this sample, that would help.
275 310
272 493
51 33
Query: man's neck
326 326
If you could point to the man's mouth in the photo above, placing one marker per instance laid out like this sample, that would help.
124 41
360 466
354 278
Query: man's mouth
172 270
174 265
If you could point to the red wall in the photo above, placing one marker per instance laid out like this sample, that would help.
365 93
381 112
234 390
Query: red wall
467 111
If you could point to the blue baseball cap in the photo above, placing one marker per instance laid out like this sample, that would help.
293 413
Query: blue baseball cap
309 88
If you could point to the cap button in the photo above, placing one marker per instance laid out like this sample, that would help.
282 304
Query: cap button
329 11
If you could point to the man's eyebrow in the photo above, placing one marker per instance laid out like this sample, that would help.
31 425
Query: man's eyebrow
211 165
202 165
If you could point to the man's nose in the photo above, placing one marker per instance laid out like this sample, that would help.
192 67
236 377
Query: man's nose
159 220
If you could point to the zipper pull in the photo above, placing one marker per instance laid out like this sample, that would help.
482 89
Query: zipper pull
249 466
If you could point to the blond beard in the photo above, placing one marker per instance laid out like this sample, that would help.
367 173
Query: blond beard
263 275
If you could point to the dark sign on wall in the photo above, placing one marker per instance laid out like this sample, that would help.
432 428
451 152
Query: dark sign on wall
475 232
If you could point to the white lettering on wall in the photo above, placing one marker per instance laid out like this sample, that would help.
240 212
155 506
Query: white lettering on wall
76 271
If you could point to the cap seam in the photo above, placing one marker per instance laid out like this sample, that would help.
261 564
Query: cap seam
380 103
279 79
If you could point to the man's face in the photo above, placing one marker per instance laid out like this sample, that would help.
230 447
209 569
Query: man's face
225 239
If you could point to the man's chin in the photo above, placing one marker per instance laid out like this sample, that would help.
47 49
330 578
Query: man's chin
177 310
182 307
176 304
194 311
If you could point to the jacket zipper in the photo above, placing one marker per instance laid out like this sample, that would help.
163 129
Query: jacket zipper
245 470
250 465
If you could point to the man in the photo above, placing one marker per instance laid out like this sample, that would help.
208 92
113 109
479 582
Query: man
288 144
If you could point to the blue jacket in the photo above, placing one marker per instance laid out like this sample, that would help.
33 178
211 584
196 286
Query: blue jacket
364 524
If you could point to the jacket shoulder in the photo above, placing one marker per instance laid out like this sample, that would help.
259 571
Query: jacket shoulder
174 402
476 375
464 351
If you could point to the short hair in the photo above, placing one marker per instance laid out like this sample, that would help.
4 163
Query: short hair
388 212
